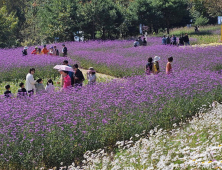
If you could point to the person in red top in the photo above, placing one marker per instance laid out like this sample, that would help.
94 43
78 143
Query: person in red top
67 79
168 66
35 51
45 50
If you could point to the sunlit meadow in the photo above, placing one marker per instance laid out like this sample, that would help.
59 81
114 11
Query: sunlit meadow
45 130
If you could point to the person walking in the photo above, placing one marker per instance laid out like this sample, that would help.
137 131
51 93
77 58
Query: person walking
156 67
78 76
169 66
50 87
24 51
168 40
174 40
186 40
30 82
181 42
91 76
65 62
64 50
149 66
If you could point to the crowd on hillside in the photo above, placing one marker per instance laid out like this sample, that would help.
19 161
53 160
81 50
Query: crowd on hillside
68 80
52 51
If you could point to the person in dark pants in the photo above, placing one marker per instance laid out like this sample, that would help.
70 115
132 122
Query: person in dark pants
186 40
181 42
78 76
8 93
24 51
64 50
65 62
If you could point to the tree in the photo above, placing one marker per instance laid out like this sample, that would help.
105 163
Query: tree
8 25
172 11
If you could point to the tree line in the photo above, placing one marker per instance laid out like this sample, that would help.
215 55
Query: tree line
28 22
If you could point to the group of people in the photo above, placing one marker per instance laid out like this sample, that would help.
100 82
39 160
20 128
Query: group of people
183 40
140 42
153 68
52 51
69 79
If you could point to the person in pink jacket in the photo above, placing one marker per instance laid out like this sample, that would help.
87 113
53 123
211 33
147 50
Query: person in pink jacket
67 79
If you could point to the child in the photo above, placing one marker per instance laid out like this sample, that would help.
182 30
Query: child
149 66
168 66
8 93
91 76
22 91
50 87
39 86
156 67
51 51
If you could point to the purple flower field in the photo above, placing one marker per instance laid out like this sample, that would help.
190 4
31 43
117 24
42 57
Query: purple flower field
59 127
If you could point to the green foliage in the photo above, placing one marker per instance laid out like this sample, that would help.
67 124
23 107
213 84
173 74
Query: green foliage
201 21
8 24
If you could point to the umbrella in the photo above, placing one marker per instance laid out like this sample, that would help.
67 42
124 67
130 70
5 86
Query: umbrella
64 68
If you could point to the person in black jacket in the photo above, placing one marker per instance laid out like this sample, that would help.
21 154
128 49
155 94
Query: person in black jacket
64 50
22 91
24 51
78 76
186 40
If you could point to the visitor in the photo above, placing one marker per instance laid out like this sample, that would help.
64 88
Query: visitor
55 51
156 67
24 51
50 87
8 93
149 66
144 42
186 40
67 79
78 76
136 43
39 86
35 51
39 51
64 50
45 50
61 78
174 40
164 40
30 82
65 62
169 66
22 91
140 41
168 40
91 76
181 42
51 51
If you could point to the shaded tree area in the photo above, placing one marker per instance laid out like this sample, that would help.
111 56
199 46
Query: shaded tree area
28 22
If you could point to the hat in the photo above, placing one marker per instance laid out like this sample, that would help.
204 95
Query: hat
36 47
156 58
63 44
91 69
25 48
51 47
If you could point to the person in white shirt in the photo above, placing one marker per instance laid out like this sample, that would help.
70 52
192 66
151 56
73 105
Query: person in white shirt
91 76
30 82
50 87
